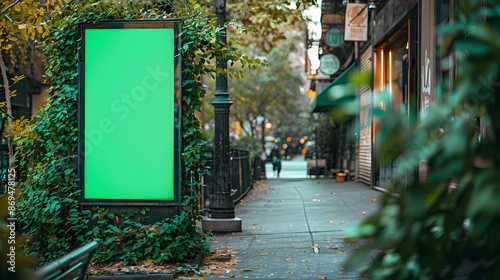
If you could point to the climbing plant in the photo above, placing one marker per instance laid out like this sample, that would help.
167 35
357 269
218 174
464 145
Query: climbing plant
48 208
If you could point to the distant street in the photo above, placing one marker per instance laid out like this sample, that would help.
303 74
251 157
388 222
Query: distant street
294 168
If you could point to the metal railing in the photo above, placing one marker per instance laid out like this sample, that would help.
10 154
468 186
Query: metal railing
243 173
70 266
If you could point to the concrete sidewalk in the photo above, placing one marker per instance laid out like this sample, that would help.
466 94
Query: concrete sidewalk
285 219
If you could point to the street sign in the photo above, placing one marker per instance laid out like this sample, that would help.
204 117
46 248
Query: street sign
329 64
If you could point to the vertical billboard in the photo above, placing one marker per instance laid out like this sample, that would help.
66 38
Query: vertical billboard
129 113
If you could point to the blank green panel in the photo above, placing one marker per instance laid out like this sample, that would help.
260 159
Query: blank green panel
129 114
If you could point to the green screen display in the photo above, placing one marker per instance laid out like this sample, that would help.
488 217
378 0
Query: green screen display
128 114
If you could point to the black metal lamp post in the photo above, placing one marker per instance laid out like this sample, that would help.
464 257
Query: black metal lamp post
263 128
315 115
262 121
221 209
221 203
264 158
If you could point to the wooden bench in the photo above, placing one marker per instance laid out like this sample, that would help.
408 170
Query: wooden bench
316 167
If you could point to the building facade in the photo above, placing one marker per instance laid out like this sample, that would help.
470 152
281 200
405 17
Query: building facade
401 54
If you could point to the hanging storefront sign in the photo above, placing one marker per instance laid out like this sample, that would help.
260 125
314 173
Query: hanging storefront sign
329 64
334 37
356 22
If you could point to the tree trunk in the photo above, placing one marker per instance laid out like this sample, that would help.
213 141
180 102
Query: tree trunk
8 106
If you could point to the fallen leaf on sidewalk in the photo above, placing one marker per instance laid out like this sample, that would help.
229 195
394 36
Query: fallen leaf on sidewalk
323 278
219 262
247 269
316 248
289 259
373 199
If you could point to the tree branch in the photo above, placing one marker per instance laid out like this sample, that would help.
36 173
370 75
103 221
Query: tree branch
8 7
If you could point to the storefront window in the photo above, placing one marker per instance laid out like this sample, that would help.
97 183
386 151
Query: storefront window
391 68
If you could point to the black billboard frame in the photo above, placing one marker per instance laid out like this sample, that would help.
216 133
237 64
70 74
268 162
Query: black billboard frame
137 24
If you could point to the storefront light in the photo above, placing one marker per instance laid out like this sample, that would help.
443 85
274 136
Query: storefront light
382 62
390 72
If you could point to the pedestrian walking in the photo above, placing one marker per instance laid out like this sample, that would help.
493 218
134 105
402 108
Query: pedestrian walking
276 160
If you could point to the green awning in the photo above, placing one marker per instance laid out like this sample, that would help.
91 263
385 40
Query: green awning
335 94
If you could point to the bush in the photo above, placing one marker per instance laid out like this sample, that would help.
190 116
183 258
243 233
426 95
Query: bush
423 231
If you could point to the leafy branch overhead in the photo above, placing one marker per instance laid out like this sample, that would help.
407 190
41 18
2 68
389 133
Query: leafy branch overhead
22 20
270 20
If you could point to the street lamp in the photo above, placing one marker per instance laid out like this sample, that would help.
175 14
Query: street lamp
372 5
315 116
262 121
221 217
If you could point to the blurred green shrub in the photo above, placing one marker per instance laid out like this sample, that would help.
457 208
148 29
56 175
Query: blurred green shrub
424 231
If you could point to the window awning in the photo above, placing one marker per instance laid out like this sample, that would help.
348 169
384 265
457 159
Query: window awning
335 94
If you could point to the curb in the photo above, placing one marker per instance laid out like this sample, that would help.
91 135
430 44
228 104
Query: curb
159 276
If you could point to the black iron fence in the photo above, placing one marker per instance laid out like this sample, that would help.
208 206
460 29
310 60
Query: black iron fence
259 169
243 171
